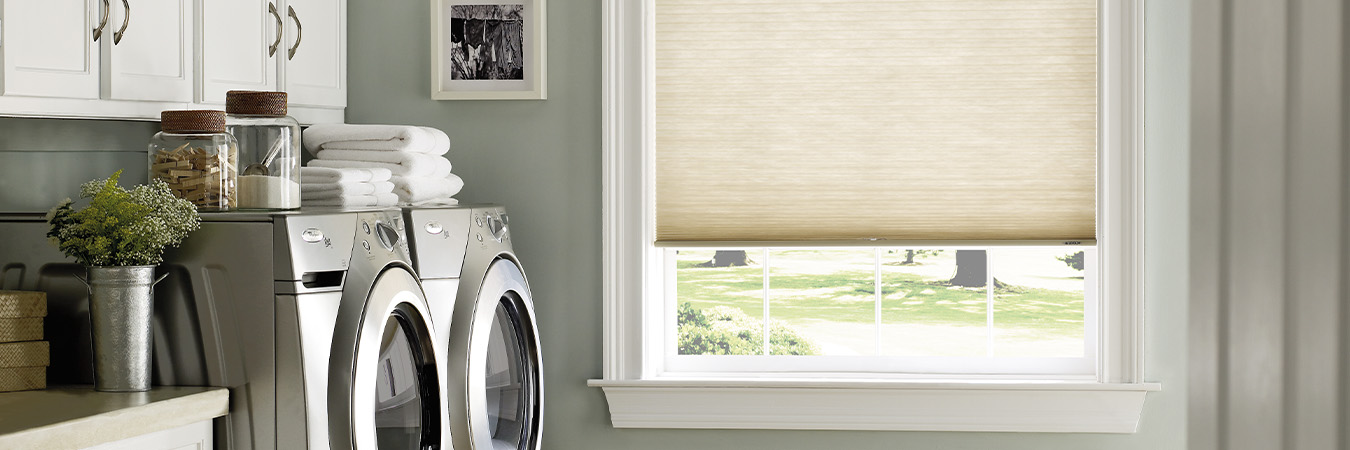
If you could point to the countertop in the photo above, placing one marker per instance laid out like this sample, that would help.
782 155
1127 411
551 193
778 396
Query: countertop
73 417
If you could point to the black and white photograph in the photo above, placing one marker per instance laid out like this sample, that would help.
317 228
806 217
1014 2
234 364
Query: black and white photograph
488 50
487 42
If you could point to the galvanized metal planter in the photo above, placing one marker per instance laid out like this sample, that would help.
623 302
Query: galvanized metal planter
121 309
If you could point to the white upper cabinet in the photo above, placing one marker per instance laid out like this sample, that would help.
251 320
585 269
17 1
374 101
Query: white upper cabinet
314 67
131 59
241 42
150 54
48 48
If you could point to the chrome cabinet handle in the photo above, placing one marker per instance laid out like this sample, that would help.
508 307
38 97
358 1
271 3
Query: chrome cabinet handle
272 8
126 19
102 22
299 32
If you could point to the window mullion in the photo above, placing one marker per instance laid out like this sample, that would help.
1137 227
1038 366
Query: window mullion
876 290
765 257
989 301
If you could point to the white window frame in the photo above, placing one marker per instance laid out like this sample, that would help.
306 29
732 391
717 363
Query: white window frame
641 395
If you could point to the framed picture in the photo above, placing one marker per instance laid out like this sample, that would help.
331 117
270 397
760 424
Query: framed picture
488 50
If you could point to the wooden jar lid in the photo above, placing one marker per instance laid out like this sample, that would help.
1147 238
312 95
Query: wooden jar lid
192 121
257 103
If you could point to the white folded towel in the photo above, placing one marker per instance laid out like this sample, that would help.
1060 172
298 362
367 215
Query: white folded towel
404 138
399 163
442 140
312 174
442 170
396 169
440 144
386 199
434 202
328 190
346 200
404 158
413 190
321 190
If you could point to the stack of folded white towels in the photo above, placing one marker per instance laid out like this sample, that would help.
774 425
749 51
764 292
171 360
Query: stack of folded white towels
412 155
324 186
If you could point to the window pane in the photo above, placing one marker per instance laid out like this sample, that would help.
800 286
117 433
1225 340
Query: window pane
822 302
720 302
934 303
1038 301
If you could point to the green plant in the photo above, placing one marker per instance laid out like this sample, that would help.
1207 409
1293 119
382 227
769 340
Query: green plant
1074 260
725 330
121 227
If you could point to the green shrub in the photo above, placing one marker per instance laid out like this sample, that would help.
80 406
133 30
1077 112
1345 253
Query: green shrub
725 330
1074 260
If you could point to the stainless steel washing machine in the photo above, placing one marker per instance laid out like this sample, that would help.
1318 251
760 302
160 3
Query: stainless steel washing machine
484 316
313 319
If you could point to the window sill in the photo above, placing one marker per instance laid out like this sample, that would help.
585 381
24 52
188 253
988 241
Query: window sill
1046 407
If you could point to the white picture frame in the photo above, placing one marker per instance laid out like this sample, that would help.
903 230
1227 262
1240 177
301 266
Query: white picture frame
488 50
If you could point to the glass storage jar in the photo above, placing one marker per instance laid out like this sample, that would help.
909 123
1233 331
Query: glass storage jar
269 149
196 157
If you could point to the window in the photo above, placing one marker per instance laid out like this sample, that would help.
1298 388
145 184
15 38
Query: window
1024 312
889 308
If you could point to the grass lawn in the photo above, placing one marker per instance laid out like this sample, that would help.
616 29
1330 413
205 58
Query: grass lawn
810 286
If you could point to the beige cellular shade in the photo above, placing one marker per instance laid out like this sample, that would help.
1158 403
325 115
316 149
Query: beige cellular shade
817 120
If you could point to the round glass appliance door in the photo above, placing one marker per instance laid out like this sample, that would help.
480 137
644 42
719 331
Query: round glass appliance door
400 403
510 378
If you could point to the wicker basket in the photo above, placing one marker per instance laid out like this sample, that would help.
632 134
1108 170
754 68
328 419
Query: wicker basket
24 356
23 378
20 330
20 304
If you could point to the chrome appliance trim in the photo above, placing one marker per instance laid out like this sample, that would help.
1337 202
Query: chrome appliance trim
467 354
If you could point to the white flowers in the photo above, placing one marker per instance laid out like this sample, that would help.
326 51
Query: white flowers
121 227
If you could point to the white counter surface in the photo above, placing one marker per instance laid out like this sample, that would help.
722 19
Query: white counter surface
74 417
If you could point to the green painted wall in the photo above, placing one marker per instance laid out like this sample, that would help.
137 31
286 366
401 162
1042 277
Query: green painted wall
69 134
542 160
45 160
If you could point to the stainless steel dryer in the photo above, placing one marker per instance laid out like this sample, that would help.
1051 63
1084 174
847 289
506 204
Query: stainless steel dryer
484 316
314 320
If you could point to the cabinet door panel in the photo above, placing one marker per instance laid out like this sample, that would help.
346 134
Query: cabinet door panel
49 49
193 436
153 61
317 74
235 37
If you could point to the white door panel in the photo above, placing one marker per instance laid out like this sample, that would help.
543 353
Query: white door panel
153 58
236 36
49 50
316 73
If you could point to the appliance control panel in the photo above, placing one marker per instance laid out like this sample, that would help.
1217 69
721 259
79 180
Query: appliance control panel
490 225
381 234
319 243
439 236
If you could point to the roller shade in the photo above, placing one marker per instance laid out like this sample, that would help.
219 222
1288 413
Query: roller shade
816 120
